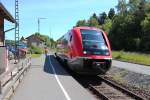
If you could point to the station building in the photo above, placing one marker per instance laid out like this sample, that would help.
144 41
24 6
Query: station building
4 15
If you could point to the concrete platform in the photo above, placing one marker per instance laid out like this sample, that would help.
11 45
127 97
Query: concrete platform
47 80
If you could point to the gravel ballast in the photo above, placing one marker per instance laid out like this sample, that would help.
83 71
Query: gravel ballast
138 83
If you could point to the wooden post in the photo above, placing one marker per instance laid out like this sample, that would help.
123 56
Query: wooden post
2 35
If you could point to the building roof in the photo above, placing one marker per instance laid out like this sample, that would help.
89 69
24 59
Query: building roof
5 14
33 36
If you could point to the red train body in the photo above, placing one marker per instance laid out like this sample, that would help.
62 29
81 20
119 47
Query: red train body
86 50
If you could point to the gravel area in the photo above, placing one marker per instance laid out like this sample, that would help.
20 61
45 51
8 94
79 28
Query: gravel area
139 83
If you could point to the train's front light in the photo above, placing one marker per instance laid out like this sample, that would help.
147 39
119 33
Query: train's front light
84 52
107 53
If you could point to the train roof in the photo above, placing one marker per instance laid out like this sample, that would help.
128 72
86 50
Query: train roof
78 28
86 27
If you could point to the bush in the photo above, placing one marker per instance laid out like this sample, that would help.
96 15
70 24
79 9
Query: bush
35 50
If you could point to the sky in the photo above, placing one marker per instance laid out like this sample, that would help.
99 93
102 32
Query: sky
61 15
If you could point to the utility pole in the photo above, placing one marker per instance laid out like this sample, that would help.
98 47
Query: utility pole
50 36
17 31
39 24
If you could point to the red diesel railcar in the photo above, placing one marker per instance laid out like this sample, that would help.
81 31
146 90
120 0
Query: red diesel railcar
86 50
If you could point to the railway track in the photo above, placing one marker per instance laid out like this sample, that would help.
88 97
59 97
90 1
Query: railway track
109 90
105 89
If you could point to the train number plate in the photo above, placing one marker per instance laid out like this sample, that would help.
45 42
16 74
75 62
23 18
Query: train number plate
98 64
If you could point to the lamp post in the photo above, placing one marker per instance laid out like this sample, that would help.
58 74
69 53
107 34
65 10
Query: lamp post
39 24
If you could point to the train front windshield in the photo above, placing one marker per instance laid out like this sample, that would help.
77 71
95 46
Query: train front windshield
94 43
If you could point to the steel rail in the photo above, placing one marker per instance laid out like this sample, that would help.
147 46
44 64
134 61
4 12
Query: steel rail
122 89
98 93
85 82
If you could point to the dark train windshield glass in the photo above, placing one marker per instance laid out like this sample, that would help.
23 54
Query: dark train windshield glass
92 35
93 39
93 42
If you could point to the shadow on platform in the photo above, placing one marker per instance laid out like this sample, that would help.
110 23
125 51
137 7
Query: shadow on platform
50 62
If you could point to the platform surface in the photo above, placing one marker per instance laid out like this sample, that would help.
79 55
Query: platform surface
47 80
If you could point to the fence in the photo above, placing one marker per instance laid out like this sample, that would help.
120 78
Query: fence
10 78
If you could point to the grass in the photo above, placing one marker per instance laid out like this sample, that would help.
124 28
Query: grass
138 58
53 50
34 55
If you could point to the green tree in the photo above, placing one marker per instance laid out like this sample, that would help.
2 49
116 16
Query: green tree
107 25
122 33
137 8
111 13
129 29
122 7
147 7
126 26
22 38
95 16
81 23
102 18
93 22
133 5
145 44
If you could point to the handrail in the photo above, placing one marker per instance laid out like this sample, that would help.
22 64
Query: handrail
13 78
9 71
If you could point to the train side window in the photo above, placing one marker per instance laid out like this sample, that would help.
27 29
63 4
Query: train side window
70 38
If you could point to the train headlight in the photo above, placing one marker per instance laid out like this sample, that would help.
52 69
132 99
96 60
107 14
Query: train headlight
107 53
84 52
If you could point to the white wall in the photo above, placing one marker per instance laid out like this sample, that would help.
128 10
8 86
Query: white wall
3 60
